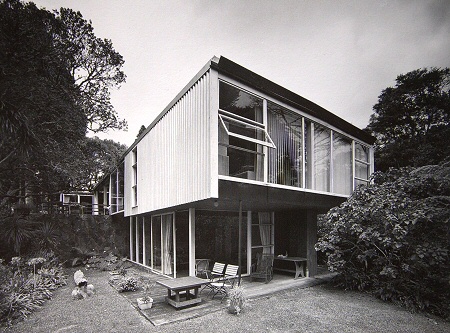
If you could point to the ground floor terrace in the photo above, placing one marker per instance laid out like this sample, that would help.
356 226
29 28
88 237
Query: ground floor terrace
244 222
162 313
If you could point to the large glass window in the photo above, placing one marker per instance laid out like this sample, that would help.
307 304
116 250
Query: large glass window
322 157
135 177
242 133
239 102
342 164
286 161
302 153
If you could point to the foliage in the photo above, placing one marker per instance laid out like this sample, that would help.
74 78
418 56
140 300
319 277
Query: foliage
148 288
391 238
411 120
107 262
236 300
23 289
72 238
94 158
127 283
55 82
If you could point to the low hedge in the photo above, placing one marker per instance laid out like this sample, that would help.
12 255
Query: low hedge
391 238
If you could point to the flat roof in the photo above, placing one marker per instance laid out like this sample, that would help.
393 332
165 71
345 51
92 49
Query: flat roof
270 88
242 74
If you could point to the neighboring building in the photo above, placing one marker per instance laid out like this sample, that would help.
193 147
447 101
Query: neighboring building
79 202
233 166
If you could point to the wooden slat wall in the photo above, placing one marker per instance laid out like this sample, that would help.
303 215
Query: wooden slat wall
174 158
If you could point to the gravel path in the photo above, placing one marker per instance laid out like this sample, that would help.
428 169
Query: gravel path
315 309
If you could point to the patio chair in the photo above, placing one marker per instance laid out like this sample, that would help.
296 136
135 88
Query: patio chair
228 281
264 268
201 267
214 275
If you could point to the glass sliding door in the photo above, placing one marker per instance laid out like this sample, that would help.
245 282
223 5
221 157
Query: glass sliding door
162 244
167 244
156 244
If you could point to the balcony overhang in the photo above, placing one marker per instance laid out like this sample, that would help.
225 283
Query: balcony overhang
257 197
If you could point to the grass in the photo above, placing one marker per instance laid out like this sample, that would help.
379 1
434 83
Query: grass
314 309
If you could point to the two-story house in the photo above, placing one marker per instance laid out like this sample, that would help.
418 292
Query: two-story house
235 165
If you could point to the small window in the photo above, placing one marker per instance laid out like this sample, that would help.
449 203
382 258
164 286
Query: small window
135 177
362 164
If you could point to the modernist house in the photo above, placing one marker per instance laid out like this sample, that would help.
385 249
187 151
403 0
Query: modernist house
234 166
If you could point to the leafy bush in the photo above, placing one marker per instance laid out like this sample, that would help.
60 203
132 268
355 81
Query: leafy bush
127 284
236 300
26 284
391 238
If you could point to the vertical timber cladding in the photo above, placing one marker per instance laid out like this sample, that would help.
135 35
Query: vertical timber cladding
174 157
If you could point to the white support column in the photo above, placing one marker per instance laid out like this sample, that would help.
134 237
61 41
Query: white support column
191 241
265 149
138 259
144 242
331 185
249 241
303 154
174 242
131 239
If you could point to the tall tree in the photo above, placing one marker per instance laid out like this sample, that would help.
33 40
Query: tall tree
94 159
55 81
411 120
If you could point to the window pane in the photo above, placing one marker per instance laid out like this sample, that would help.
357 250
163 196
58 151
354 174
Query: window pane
321 158
156 242
361 182
234 100
239 157
342 164
242 164
361 152
285 162
362 170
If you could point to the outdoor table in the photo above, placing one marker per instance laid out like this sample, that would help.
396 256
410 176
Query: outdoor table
299 262
182 288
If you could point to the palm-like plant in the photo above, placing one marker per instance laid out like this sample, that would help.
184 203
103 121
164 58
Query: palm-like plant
48 236
16 231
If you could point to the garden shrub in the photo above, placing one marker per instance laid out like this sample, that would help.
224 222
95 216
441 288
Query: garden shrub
391 238
26 284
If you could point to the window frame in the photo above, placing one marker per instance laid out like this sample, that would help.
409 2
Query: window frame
246 122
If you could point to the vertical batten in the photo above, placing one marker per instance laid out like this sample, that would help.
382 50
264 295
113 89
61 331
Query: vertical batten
176 166
212 106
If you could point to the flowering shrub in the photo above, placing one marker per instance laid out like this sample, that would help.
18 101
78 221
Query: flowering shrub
391 238
127 284
23 289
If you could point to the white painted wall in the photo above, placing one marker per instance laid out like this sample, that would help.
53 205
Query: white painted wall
174 158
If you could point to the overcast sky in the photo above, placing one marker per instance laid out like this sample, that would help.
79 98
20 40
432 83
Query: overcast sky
338 54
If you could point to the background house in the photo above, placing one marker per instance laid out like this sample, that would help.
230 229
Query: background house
235 165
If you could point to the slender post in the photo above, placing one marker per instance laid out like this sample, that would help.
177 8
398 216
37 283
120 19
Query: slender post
240 240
